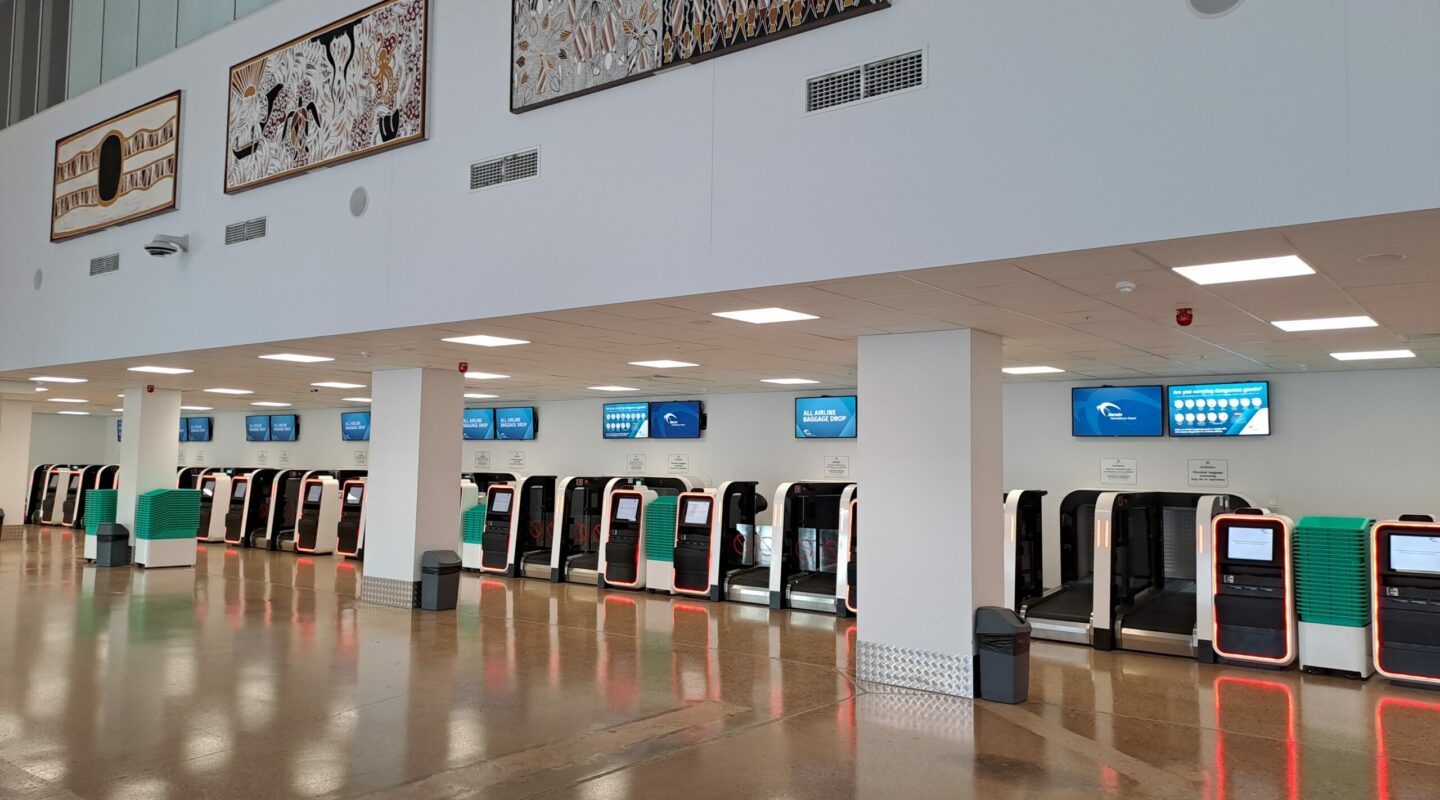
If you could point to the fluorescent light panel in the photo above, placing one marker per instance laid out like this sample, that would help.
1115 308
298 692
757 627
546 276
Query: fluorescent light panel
196 408
229 391
663 364
297 358
478 396
1031 370
1326 324
162 370
1255 269
270 404
1373 355
765 316
486 341
337 385
118 410
485 376
613 389
52 379
789 381
75 400
74 413
357 399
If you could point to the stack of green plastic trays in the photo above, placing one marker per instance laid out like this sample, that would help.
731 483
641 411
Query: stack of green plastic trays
1332 570
167 514
660 529
99 509
472 524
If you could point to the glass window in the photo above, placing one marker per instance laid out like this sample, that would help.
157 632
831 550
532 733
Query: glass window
7 26
87 25
117 52
24 59
54 51
243 7
157 29
199 17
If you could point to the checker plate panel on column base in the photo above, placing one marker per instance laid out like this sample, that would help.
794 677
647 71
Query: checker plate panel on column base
8 532
915 669
389 592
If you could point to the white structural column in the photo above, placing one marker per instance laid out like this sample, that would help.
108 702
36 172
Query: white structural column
149 448
931 513
413 503
14 462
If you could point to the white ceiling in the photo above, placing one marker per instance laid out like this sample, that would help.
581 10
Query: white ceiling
1058 310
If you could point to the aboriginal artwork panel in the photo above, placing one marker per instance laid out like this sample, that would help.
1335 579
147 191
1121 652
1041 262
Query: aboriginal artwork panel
564 48
700 29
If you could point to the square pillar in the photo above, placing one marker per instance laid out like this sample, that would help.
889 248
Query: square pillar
148 449
14 463
414 483
930 484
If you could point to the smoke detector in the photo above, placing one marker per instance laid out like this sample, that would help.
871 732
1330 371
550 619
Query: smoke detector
1124 287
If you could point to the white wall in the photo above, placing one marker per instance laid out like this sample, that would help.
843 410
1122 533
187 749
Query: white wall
56 439
1045 127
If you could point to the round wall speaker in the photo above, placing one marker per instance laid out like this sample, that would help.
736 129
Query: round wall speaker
359 202
38 280
1213 8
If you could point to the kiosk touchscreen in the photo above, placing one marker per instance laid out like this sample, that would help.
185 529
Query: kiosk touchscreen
235 514
350 531
694 540
1405 608
1253 589
622 539
318 520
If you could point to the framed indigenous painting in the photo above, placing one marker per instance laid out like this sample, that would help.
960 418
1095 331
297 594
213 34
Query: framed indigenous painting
562 49
123 169
351 89
696 30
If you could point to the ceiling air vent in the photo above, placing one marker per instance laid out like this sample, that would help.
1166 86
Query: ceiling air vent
248 231
868 81
506 169
105 264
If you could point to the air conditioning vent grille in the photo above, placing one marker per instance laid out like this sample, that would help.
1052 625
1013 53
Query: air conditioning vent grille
247 231
506 169
105 264
876 79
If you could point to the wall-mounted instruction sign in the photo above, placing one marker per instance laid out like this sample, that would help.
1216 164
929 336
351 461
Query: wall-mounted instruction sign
362 458
635 463
517 459
837 467
1210 472
262 458
285 457
1119 471
679 462
482 459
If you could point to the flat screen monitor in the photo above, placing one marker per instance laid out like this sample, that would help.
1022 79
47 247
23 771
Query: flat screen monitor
284 428
825 417
1117 411
478 424
1250 544
184 426
119 430
1220 409
626 420
312 492
197 429
1415 554
519 424
500 501
354 495
237 492
677 420
697 512
627 509
257 429
208 488
355 426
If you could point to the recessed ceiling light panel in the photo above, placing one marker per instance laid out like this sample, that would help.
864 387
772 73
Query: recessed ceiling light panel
270 404
765 316
1255 269
478 396
229 391
485 376
357 399
1326 324
789 381
613 389
162 370
486 341
297 358
72 400
196 408
1031 370
53 379
663 364
337 385
1373 355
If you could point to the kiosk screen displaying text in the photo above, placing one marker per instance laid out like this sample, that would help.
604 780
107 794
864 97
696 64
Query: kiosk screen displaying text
1220 409
355 426
825 417
515 424
479 424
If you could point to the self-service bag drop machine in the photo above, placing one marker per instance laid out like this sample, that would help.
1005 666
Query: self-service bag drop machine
1405 606
1251 586
714 538
622 562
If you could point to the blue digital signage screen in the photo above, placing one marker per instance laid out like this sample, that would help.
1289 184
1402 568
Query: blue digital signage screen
355 426
516 424
1220 409
478 424
284 428
683 420
119 430
257 429
197 429
626 420
825 417
184 429
1117 411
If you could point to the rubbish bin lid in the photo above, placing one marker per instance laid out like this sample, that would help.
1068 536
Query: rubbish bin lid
991 620
439 559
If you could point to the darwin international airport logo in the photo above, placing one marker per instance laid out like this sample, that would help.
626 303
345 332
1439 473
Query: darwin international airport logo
1111 410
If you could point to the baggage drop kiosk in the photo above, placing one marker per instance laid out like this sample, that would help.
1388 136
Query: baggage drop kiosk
35 495
318 520
1024 560
89 479
579 515
1405 606
518 526
1063 614
283 507
350 530
215 491
846 604
1252 590
622 538
188 477
804 544
70 499
249 506
50 506
1146 595
714 538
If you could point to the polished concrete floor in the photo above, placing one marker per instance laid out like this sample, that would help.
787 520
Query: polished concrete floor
260 675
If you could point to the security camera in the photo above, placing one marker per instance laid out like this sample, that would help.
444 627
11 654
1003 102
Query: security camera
164 246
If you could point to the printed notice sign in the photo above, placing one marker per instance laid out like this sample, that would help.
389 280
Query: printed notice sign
679 462
285 457
1119 471
1210 472
635 463
262 457
517 459
837 466
362 457
482 459
199 458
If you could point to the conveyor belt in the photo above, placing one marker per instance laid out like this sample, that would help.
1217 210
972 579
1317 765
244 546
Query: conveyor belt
754 576
1170 611
822 583
590 561
1073 603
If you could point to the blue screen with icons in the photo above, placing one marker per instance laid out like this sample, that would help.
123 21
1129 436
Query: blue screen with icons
825 417
355 426
1117 411
1220 409
284 428
257 429
479 424
626 420
676 420
515 424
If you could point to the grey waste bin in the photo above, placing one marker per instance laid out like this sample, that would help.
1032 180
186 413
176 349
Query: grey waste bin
439 580
1002 643
112 546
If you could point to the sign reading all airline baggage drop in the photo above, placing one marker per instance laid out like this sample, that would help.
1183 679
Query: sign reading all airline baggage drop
825 417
